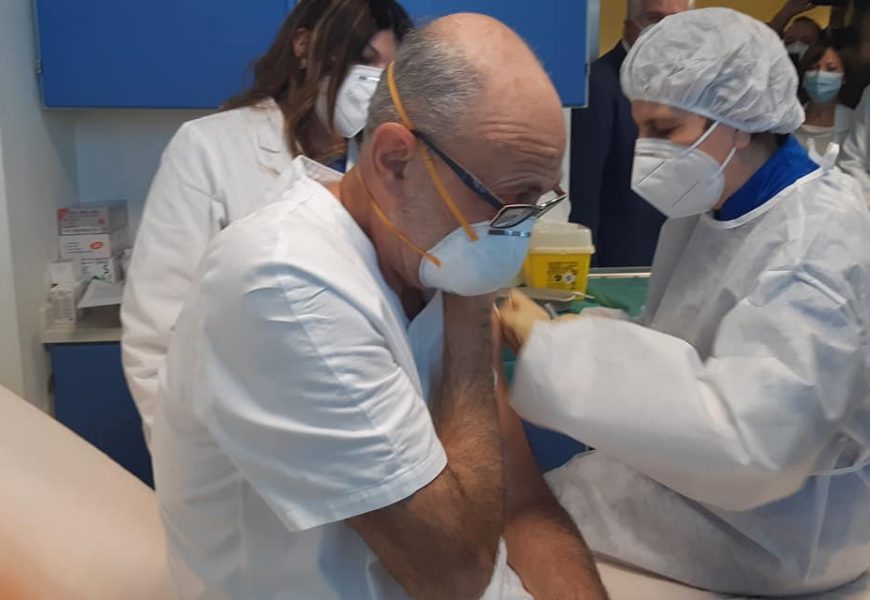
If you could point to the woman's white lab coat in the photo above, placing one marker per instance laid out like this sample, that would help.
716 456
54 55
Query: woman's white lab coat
733 431
817 139
215 170
855 153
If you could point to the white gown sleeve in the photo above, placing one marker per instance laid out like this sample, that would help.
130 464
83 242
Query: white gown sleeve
741 429
181 216
854 158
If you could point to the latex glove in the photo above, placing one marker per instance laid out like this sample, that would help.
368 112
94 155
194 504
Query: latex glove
518 315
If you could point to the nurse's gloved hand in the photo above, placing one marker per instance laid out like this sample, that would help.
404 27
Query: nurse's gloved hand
518 316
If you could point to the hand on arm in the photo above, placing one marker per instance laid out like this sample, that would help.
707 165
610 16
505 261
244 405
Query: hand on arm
442 542
545 548
518 316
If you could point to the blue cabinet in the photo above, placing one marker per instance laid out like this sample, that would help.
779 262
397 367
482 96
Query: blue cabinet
155 54
92 399
196 53
557 30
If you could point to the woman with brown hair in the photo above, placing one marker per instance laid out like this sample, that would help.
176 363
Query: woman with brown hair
823 71
309 96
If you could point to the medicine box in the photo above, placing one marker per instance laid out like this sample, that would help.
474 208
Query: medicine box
93 245
66 271
104 269
63 302
102 217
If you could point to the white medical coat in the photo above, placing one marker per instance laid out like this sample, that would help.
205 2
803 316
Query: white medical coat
817 139
855 153
292 400
719 424
215 170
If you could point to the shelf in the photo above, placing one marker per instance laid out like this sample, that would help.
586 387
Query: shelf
98 325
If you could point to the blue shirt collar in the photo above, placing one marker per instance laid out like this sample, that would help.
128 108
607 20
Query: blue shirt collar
787 165
339 164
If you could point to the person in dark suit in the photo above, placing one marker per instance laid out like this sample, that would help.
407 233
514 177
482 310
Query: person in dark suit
625 227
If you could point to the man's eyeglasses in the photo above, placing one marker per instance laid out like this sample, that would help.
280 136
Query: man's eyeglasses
509 215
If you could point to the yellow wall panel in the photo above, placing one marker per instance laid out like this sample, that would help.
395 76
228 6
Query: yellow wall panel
613 15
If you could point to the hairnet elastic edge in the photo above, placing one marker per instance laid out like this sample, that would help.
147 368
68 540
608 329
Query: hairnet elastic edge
697 110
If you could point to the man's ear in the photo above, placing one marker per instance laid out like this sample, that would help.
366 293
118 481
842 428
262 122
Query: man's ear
392 149
742 140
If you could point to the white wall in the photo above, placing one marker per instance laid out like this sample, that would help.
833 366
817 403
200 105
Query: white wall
118 151
38 160
50 159
11 375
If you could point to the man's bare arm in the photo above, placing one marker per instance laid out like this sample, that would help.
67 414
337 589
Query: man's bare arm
442 542
545 547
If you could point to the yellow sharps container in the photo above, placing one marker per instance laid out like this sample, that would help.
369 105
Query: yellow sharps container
560 255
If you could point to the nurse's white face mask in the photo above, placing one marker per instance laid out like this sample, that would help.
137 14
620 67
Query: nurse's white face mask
352 101
677 180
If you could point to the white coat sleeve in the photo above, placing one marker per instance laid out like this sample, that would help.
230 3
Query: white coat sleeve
300 388
740 430
854 158
181 216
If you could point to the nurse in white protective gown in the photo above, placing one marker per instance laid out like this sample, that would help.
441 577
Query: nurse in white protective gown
732 426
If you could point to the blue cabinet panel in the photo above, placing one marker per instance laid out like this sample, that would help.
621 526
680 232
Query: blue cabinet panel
557 30
92 399
160 53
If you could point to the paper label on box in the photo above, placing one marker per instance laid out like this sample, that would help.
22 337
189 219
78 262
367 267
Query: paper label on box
63 302
563 275
102 269
96 245
66 271
92 218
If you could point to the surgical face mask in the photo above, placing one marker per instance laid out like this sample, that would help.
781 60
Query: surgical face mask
474 268
798 49
679 181
822 86
461 265
352 101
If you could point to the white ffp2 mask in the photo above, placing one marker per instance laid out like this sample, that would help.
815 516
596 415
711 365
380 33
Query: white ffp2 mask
798 49
352 101
475 268
677 180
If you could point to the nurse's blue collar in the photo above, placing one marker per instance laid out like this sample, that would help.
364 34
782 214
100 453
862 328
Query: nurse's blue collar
785 166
